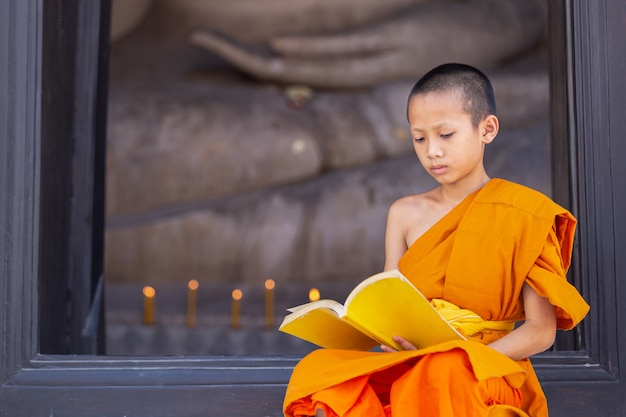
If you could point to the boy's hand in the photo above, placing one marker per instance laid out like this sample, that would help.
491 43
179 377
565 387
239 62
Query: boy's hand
406 345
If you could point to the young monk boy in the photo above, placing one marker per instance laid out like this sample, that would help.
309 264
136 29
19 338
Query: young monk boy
490 247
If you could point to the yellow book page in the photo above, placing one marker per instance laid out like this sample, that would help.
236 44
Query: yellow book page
320 323
388 304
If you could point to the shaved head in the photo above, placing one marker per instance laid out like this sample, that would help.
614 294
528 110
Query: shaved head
473 86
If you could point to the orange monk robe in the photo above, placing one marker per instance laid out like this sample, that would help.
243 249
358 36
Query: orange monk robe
477 257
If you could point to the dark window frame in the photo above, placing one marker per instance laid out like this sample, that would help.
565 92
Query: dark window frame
587 81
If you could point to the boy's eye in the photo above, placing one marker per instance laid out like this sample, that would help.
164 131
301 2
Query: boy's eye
447 135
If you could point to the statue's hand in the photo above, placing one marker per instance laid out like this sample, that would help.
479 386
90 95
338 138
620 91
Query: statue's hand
482 33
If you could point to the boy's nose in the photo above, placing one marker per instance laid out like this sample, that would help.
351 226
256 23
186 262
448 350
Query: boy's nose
434 150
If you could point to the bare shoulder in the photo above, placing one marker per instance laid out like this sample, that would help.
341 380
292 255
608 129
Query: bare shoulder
414 214
422 202
408 218
410 204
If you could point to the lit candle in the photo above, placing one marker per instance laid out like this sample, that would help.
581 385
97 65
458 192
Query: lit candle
314 294
192 297
236 309
148 304
269 303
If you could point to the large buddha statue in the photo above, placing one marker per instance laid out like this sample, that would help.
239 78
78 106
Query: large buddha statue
250 139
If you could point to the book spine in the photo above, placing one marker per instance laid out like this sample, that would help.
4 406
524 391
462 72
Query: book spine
372 333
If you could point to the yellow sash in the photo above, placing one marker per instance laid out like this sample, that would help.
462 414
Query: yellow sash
468 322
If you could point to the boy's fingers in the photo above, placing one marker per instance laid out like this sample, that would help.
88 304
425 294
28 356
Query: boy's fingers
385 348
406 345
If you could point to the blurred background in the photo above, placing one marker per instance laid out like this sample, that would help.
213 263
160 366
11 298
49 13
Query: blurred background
265 139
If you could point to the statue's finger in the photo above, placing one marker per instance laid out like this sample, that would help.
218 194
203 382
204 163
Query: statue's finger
313 46
351 72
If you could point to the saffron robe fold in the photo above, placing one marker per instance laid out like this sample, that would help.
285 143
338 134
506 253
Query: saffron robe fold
478 257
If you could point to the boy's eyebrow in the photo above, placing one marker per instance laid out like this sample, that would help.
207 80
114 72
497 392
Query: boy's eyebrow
435 126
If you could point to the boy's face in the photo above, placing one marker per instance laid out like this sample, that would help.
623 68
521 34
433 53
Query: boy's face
448 146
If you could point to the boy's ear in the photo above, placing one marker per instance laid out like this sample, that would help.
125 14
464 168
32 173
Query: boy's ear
489 128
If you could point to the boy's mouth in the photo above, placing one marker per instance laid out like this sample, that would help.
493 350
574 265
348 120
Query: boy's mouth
438 169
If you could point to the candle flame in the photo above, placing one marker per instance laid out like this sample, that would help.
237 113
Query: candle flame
314 294
237 294
269 284
149 292
193 284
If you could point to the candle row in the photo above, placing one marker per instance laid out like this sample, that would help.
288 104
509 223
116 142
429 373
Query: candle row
149 294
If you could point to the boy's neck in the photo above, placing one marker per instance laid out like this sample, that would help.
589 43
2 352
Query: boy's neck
455 193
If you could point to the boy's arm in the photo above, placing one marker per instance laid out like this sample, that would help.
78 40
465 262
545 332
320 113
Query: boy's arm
395 237
536 334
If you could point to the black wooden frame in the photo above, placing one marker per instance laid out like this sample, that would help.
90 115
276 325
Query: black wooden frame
71 190
588 121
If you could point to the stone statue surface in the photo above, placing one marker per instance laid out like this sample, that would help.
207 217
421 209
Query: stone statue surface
250 139
482 33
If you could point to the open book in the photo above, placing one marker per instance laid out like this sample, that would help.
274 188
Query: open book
380 307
